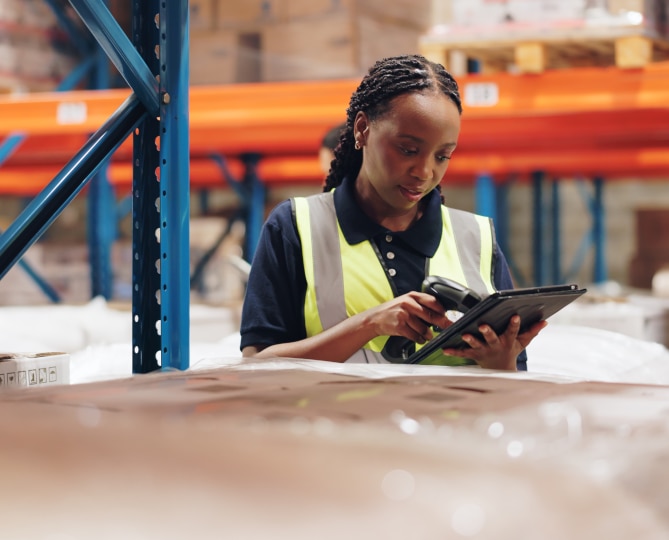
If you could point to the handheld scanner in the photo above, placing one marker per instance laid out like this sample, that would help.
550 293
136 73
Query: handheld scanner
451 295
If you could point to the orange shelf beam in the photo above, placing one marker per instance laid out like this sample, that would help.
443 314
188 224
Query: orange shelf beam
556 133
27 180
567 121
292 105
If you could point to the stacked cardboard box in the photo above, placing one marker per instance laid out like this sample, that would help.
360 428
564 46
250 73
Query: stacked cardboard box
35 55
275 40
652 246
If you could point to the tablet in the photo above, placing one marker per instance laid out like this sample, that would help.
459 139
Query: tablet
531 304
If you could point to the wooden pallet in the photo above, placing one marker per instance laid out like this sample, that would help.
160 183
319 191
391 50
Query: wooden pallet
536 50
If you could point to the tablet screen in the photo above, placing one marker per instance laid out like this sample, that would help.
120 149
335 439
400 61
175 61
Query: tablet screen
532 305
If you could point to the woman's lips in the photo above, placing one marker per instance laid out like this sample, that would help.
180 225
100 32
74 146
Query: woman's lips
411 194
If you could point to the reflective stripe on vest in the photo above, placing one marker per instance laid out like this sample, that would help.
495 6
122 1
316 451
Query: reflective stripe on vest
344 279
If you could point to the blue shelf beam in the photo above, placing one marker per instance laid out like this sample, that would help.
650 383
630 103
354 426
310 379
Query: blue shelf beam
12 142
111 37
50 202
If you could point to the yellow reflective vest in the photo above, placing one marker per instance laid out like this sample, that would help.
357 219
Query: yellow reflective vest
344 279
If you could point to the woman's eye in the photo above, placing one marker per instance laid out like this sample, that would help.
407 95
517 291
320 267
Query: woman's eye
443 158
408 151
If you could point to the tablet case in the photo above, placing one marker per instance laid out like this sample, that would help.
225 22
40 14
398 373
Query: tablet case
532 304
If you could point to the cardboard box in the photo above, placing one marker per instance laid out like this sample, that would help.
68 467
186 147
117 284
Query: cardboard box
239 14
292 10
339 45
416 14
282 40
33 369
643 267
380 39
37 14
652 231
225 57
320 48
10 11
202 14
253 12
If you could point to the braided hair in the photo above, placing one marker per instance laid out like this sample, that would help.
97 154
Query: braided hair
386 79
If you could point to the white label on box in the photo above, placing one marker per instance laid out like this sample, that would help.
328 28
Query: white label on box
74 112
481 94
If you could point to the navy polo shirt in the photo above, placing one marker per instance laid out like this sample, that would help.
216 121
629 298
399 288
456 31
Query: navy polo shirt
273 310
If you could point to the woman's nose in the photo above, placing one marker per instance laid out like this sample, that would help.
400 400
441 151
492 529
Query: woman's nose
422 170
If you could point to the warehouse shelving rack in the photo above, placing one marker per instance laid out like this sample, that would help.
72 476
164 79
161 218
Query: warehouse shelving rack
156 113
597 124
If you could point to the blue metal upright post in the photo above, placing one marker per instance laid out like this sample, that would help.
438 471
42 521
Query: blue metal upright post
101 218
146 311
256 193
556 242
538 231
161 194
502 229
599 231
161 109
174 183
486 200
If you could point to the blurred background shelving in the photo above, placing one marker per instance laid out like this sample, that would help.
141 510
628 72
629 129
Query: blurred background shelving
565 115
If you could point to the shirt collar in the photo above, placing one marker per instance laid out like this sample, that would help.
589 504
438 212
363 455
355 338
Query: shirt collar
424 235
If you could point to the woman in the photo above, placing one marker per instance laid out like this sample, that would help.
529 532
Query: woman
335 274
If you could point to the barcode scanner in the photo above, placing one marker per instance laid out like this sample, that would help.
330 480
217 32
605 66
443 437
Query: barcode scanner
452 295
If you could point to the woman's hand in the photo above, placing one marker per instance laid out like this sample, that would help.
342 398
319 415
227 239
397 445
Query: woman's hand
498 351
411 315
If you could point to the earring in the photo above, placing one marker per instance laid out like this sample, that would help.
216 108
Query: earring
357 144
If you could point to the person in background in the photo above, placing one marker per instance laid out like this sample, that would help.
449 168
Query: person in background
328 144
336 273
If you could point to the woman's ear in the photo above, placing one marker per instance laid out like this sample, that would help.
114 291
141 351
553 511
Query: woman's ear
360 128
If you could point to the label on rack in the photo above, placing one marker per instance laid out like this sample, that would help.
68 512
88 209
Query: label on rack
71 112
483 94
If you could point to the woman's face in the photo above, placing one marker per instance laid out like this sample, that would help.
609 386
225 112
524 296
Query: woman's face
406 150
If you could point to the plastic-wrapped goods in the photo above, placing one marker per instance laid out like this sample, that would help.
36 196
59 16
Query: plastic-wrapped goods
647 15
303 449
494 12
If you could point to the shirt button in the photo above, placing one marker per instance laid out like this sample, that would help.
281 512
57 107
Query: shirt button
390 255
389 238
392 272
